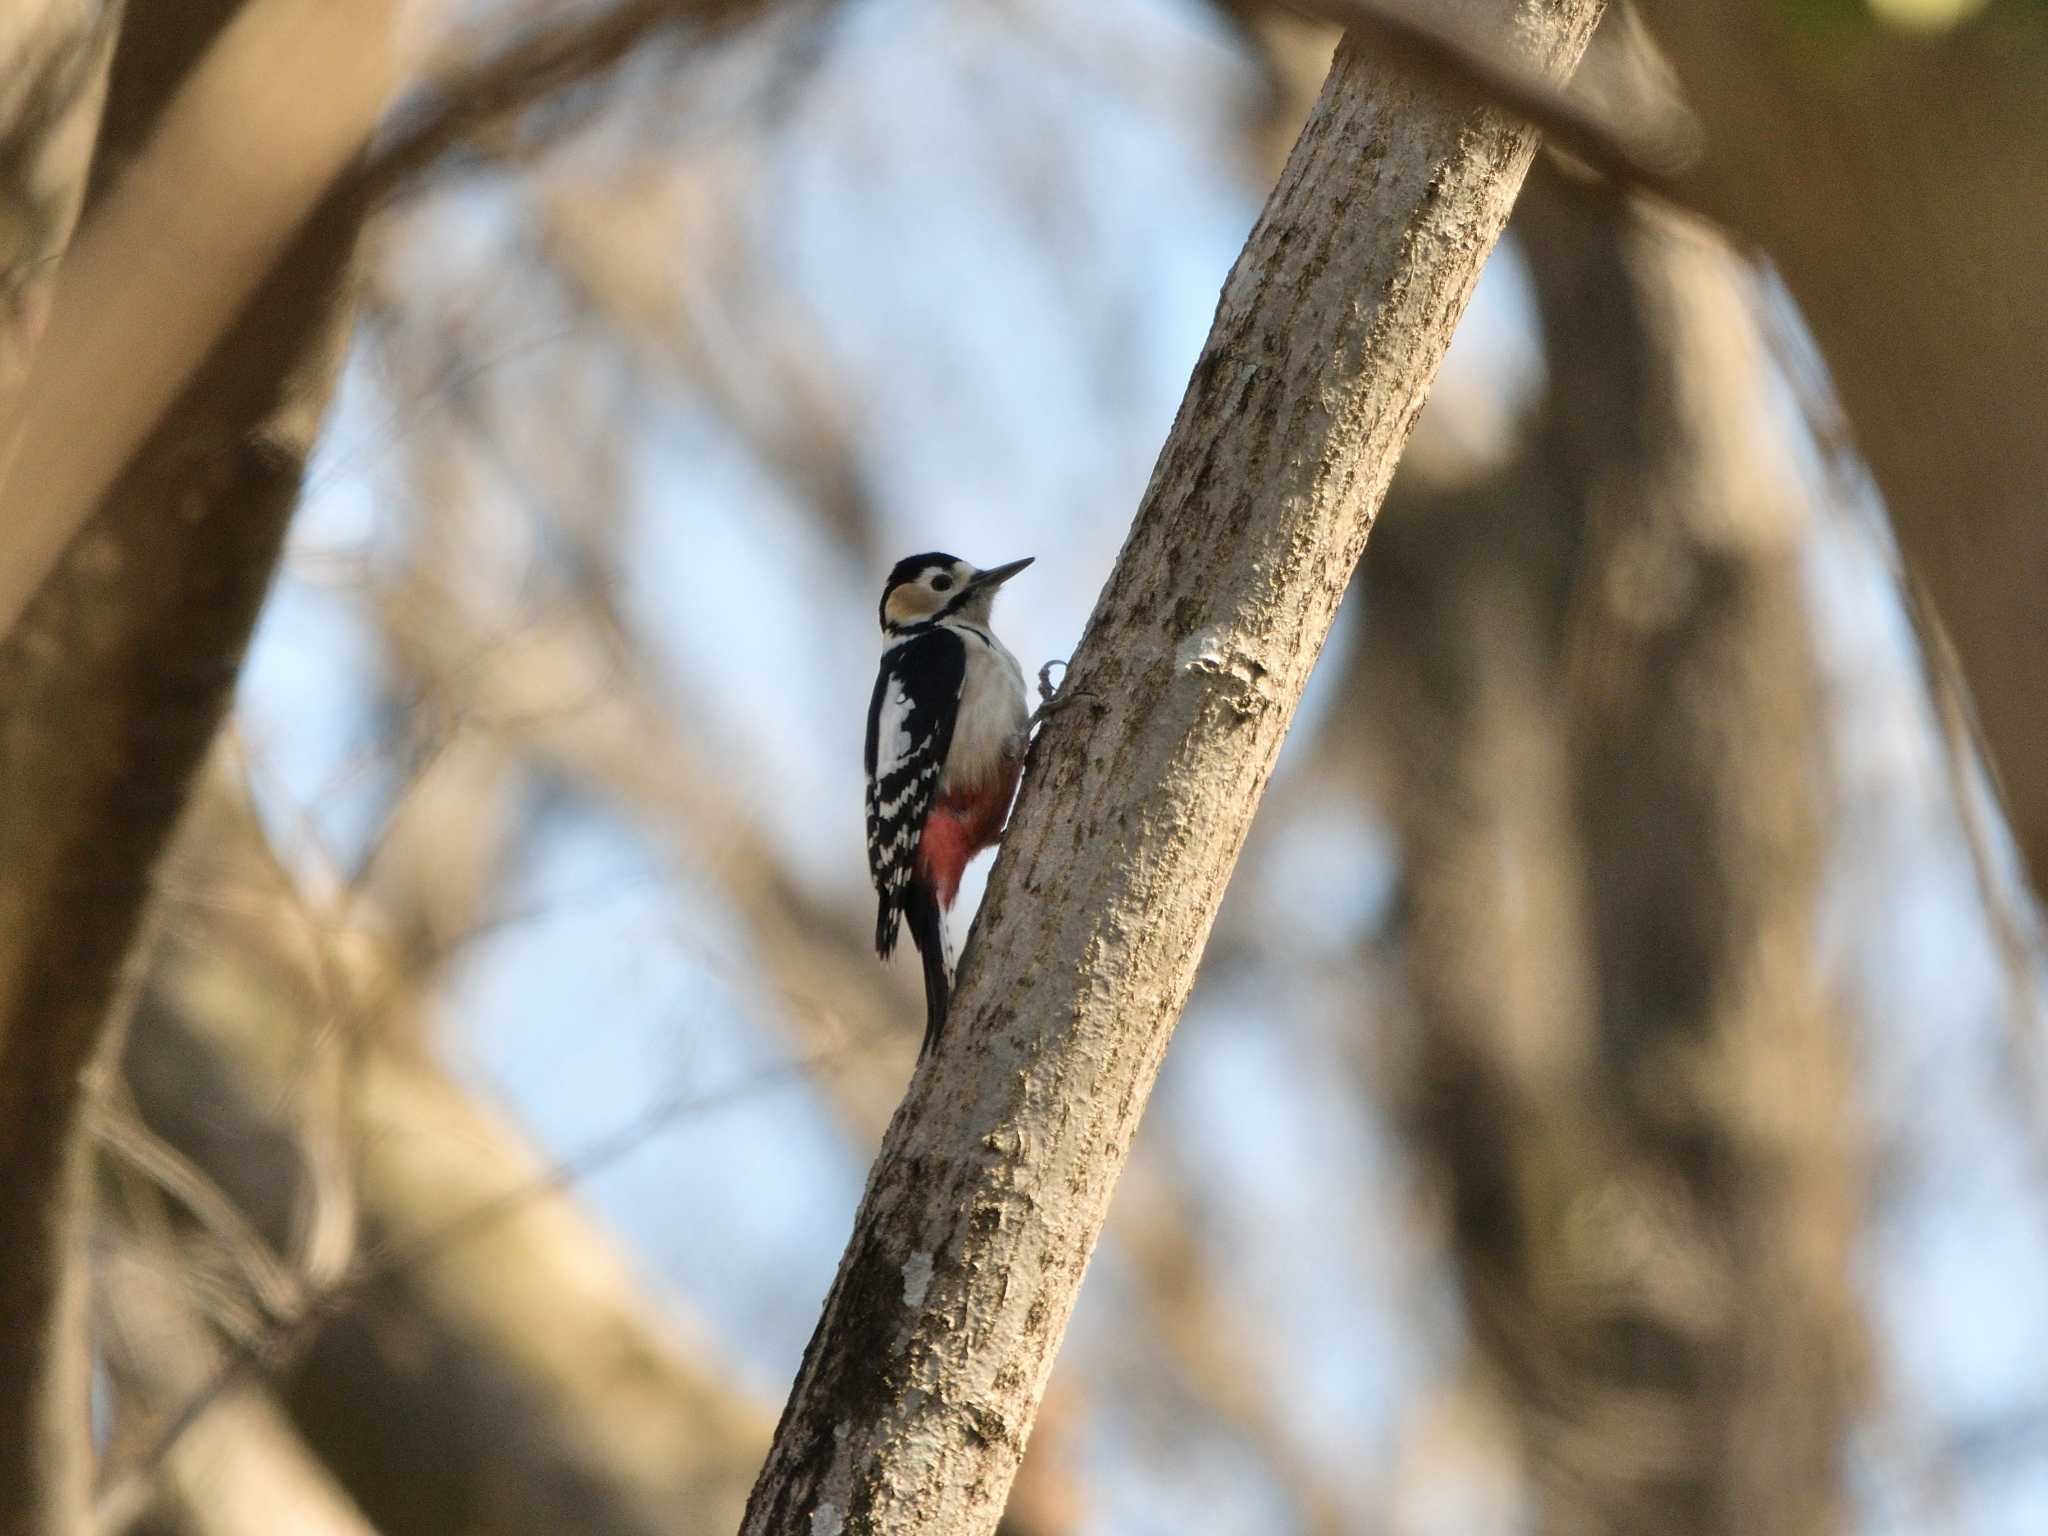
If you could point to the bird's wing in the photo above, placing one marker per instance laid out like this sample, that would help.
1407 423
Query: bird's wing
910 731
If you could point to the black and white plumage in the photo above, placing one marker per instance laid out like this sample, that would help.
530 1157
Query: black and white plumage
945 744
910 731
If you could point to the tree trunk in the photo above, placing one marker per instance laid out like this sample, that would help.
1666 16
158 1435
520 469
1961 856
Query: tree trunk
1634 1086
918 1390
111 685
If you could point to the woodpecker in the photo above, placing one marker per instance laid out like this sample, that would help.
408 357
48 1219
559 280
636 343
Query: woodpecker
946 734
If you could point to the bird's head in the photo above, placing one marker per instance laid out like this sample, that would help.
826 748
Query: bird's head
924 588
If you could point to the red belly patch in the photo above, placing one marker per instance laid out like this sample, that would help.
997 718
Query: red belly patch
961 822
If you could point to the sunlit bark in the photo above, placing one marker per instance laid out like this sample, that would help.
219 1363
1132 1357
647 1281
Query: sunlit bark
918 1390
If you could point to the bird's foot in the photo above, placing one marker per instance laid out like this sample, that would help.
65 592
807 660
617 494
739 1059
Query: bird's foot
1052 700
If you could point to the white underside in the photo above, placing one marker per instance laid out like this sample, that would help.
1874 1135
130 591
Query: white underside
989 730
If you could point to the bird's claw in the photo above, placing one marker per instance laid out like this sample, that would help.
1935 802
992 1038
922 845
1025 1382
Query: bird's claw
1052 700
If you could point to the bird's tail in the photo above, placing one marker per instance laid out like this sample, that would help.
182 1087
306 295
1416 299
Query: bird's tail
928 932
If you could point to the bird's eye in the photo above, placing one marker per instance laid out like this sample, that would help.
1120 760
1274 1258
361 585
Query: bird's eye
942 583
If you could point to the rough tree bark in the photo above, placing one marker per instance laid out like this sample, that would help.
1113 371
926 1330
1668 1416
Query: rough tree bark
919 1387
110 686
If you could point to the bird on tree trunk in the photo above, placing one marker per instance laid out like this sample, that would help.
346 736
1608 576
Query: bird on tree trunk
947 729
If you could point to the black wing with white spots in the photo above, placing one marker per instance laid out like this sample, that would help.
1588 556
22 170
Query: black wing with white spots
910 731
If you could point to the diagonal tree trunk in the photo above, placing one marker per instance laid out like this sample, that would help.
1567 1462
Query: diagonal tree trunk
918 1390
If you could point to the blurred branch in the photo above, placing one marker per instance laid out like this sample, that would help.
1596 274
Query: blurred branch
2014 921
1984 815
244 1471
747 345
476 99
1642 141
548 693
177 249
1211 1347
1879 173
1642 153
131 1144
54 56
160 259
1691 683
536 1389
1290 49
119 668
1632 1079
921 1382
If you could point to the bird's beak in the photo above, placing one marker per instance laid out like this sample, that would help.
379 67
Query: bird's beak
989 580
